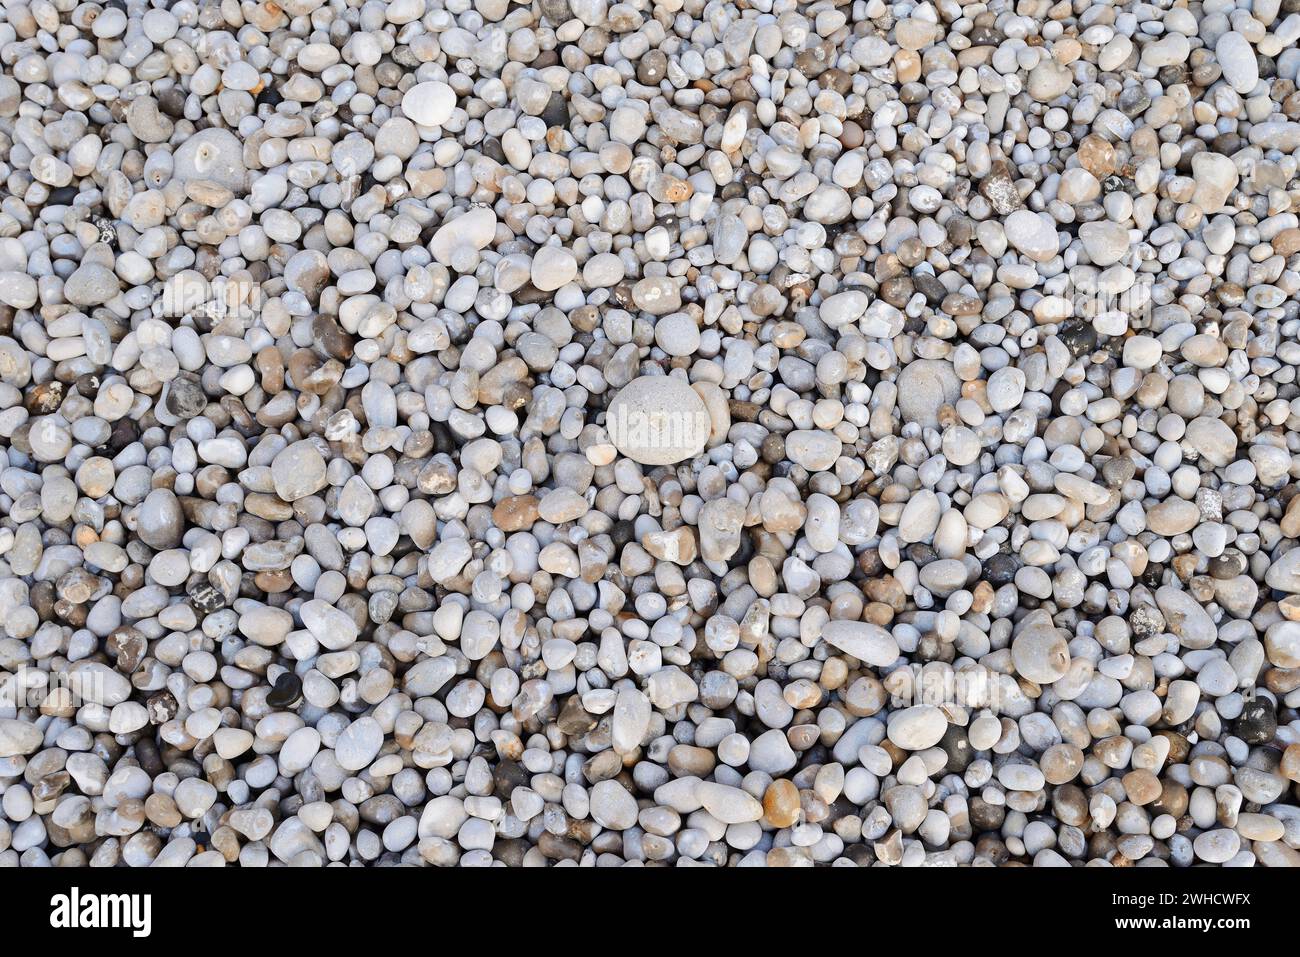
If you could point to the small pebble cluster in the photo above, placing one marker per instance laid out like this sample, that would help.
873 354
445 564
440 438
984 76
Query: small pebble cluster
659 432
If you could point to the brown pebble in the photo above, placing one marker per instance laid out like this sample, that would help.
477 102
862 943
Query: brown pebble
781 803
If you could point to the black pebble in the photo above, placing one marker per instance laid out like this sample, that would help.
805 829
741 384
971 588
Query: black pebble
860 854
1079 337
956 745
287 690
556 112
1228 565
929 286
1001 568
443 441
652 67
1114 184
270 96
1172 75
493 150
1134 101
185 396
88 385
206 598
622 533
125 431
62 196
1257 723
172 102
146 752
507 776
869 562
920 553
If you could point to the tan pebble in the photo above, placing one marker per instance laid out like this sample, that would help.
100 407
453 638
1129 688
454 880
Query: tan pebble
1061 763
1142 787
1096 156
1290 766
516 513
161 810
781 804
1291 519
1287 242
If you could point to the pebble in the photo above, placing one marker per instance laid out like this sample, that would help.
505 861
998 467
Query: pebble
590 435
658 420
1216 177
329 625
869 643
18 738
1032 234
730 805
298 470
1237 60
917 728
1041 653
359 743
429 104
925 386
1105 242
214 156
553 268
612 806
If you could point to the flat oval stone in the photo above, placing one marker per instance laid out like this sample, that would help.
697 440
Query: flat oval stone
331 626
612 806
814 449
185 397
1032 234
844 307
729 805
359 744
863 640
98 683
1237 58
553 267
430 103
658 420
1213 439
918 727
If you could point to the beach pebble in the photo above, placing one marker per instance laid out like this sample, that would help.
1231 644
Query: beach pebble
658 420
578 434
429 104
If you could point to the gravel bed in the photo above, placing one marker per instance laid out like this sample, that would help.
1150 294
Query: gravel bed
665 433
